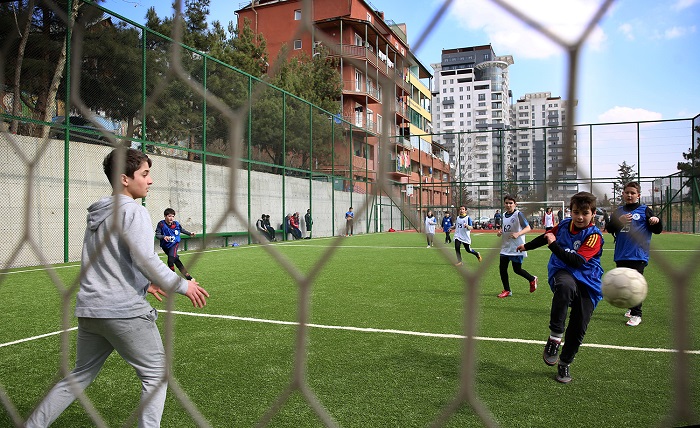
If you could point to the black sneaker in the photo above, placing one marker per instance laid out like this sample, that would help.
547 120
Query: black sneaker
551 352
563 375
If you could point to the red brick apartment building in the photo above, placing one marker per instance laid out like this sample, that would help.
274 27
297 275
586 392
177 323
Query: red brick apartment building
379 74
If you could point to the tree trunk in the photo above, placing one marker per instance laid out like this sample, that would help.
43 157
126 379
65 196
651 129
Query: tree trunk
16 99
60 66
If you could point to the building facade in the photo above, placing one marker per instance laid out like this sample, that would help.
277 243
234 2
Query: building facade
472 117
382 89
539 148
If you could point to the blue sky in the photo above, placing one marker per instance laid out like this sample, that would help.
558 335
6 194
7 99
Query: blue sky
640 62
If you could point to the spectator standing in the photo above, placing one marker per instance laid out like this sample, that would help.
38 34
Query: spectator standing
349 220
309 221
430 223
497 218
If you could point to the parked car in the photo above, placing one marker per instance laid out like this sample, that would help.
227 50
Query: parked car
82 130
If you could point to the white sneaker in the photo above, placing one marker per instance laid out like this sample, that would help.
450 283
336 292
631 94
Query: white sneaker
634 321
628 314
428 246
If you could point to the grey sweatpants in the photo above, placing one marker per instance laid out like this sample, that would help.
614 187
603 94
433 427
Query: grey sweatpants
137 340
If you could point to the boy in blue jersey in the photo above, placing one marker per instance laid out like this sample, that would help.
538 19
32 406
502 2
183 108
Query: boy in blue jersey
632 226
168 231
463 226
513 231
447 226
574 277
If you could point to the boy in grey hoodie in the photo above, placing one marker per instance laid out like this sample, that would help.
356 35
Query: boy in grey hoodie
118 268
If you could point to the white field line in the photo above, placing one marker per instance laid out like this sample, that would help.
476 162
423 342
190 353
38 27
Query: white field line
379 330
41 336
290 244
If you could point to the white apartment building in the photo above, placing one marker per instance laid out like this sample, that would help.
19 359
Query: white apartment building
539 146
472 117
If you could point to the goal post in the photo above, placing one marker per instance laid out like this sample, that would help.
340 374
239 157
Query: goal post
535 209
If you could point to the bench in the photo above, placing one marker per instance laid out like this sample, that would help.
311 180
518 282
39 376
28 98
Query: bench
225 235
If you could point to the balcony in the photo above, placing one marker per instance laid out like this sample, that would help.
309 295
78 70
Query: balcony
351 87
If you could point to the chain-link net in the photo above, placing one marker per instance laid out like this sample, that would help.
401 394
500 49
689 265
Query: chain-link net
219 134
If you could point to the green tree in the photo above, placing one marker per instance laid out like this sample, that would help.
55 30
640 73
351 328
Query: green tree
248 50
691 166
313 80
626 173
37 52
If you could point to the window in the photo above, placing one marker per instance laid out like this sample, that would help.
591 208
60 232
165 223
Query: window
297 15
482 97
461 97
358 80
452 89
369 17
297 44
444 90
358 40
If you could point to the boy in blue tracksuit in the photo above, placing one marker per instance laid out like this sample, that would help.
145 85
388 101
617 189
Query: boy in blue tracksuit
575 278
169 231
632 225
446 226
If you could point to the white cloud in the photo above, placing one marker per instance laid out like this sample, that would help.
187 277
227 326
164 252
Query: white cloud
626 30
683 4
628 114
675 32
510 36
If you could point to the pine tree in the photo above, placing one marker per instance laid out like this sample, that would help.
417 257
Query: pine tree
626 173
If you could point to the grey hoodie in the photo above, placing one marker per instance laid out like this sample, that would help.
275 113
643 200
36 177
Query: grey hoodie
119 262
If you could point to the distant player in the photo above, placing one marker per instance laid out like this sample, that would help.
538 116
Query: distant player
463 235
169 231
632 225
549 219
447 226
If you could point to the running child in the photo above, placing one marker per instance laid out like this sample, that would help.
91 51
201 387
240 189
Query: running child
169 231
512 234
463 235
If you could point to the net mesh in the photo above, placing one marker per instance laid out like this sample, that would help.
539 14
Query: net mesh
35 203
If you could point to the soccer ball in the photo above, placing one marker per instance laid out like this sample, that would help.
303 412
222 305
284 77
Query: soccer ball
624 287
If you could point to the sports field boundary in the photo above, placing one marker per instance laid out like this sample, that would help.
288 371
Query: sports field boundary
374 330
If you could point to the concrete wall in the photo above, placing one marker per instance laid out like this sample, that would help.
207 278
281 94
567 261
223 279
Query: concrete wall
32 196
